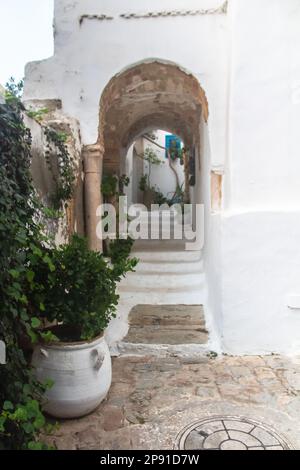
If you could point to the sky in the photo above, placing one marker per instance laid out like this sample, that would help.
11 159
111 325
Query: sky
25 35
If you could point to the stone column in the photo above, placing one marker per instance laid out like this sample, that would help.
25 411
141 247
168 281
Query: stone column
92 161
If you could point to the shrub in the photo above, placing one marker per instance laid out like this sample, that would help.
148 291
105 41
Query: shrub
81 291
120 249
22 243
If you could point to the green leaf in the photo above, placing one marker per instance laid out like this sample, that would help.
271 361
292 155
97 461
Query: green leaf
32 445
48 261
24 299
36 251
26 389
48 384
20 414
39 421
24 316
14 273
30 276
28 428
2 422
8 406
33 336
48 337
35 323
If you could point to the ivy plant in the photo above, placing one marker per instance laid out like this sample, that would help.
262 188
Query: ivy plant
22 242
61 165
81 292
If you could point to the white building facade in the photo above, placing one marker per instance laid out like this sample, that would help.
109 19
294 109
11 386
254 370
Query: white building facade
226 78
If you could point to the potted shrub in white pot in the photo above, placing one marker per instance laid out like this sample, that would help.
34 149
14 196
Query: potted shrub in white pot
80 299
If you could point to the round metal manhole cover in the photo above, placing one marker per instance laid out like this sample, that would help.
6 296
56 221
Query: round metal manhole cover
229 433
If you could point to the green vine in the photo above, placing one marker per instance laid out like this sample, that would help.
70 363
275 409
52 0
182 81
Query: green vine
63 172
22 242
57 156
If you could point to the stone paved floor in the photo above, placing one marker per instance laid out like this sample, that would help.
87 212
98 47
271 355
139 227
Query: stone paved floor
151 400
167 324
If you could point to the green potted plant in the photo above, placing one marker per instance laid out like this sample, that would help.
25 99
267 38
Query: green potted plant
80 299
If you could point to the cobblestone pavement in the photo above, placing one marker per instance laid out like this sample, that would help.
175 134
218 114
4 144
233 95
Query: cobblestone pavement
151 400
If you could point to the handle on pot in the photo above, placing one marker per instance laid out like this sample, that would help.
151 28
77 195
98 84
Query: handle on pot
44 353
98 358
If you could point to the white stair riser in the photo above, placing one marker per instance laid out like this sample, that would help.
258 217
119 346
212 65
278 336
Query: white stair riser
161 257
158 268
162 351
164 281
155 297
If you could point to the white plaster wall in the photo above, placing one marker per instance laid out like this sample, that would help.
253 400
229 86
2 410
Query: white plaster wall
253 256
161 175
212 242
261 225
265 105
261 268
87 57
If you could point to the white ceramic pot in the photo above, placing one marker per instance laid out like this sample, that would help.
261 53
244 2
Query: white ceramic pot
81 373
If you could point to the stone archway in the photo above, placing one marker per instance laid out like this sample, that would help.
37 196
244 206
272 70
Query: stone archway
152 94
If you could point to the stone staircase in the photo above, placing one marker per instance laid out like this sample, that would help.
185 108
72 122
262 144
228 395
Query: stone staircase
169 282
166 273
167 324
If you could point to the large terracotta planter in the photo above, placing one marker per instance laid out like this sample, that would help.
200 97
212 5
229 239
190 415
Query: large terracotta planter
81 373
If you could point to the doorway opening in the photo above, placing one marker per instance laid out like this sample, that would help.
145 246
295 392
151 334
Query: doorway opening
150 120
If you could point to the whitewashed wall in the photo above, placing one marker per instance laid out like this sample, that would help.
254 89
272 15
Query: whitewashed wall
261 224
161 175
87 56
248 63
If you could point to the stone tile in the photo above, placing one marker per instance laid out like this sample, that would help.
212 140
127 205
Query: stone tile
167 324
238 426
207 393
247 439
248 381
213 441
88 435
178 315
240 371
134 417
265 437
264 373
64 443
152 399
293 379
113 418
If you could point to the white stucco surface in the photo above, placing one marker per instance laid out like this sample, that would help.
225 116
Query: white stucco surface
264 105
161 176
248 63
87 56
261 221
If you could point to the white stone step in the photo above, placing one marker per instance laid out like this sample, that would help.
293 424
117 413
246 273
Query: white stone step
162 281
187 295
161 350
177 257
146 267
158 234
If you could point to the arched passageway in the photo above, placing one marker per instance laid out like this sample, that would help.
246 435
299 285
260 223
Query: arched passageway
149 95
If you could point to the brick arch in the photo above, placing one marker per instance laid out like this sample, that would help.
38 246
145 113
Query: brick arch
152 94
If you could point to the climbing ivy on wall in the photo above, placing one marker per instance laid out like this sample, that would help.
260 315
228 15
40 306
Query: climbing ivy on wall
60 162
64 173
22 243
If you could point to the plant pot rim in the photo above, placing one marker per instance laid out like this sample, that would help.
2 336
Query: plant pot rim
72 344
